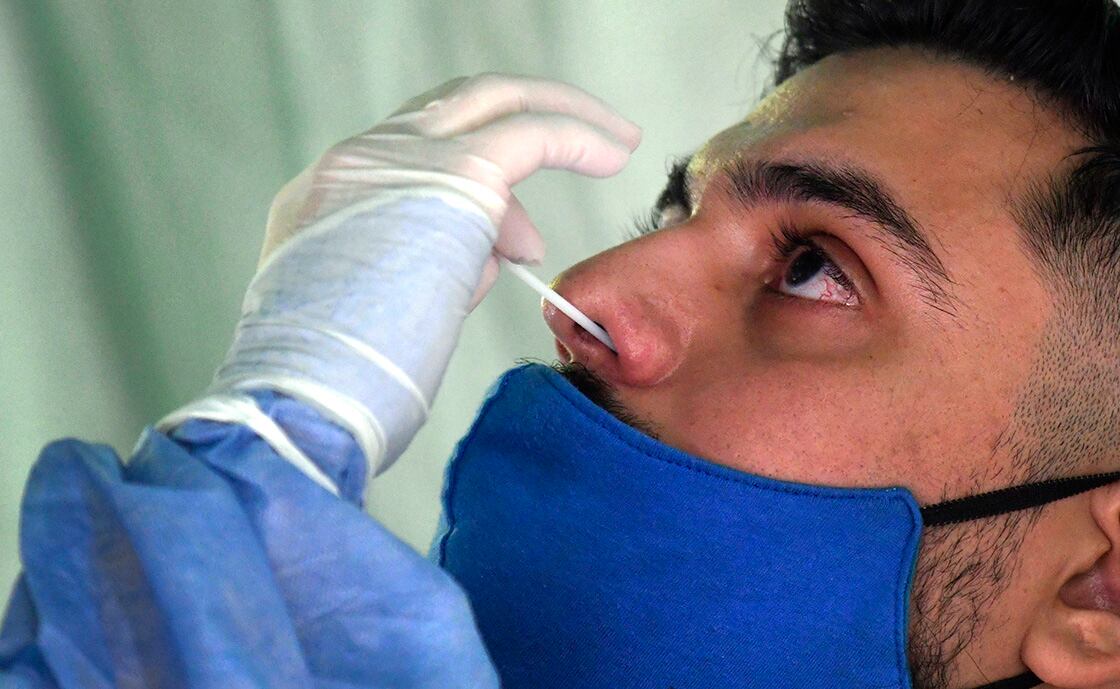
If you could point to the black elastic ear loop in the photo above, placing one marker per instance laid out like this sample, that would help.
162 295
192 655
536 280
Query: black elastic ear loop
1012 499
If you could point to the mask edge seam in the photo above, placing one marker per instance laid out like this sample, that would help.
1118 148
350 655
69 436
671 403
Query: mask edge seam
448 497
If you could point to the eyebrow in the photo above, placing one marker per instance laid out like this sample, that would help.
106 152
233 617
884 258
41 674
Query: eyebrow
851 189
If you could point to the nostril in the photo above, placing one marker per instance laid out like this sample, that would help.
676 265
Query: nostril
563 352
591 340
613 346
575 342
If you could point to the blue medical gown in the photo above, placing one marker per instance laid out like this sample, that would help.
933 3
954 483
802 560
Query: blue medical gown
207 560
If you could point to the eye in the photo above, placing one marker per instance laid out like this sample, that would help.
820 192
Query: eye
810 273
672 207
657 219
671 215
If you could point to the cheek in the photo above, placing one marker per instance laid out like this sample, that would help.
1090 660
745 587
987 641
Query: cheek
817 425
788 423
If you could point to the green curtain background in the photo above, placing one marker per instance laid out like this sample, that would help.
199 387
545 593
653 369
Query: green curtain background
143 142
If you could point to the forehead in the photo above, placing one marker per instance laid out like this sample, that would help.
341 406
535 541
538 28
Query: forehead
913 118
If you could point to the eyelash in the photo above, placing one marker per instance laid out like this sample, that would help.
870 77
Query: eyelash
674 195
790 240
643 224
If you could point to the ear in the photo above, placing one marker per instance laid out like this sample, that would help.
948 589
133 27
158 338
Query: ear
1074 640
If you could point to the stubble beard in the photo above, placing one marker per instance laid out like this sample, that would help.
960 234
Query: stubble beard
962 571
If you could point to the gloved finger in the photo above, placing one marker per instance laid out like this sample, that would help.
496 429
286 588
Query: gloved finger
489 276
521 144
486 97
518 238
418 103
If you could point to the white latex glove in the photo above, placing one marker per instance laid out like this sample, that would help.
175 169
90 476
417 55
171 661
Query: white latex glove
374 255
476 137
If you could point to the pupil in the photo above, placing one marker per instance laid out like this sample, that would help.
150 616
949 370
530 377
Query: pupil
804 267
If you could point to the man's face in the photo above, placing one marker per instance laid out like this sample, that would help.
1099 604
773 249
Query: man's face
856 309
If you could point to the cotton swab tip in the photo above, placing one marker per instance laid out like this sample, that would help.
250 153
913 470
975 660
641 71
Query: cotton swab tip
566 307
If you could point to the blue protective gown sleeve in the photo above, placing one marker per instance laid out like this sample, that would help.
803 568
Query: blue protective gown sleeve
208 561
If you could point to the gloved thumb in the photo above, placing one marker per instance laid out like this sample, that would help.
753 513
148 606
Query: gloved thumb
518 238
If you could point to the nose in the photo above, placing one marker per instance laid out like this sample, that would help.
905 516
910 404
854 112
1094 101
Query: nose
641 295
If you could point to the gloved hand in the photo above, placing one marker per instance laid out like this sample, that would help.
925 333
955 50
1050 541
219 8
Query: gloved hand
375 254
475 137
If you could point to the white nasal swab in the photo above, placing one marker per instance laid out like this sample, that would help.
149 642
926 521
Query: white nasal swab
560 302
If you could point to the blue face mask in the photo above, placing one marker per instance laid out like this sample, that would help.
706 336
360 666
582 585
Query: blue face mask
595 556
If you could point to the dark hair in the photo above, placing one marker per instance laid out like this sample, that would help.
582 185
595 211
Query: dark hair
1067 50
1066 55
